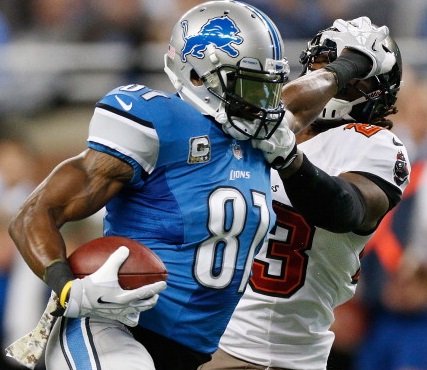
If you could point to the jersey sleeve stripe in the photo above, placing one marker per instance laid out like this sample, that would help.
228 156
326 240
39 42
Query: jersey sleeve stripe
125 114
125 136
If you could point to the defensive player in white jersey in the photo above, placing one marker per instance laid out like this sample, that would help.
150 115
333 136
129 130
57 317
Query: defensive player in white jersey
349 172
184 174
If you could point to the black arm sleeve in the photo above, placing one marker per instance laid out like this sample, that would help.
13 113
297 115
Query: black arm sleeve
327 201
349 66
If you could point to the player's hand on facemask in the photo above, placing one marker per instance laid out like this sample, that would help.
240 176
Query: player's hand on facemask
100 294
360 34
280 149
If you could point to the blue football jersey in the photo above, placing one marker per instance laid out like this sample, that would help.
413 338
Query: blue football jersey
198 198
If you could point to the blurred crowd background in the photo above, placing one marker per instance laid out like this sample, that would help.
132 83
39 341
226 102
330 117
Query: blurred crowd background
58 57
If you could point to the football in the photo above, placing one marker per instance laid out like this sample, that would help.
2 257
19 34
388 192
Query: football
142 267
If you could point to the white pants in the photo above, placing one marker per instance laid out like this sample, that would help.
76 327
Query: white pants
94 344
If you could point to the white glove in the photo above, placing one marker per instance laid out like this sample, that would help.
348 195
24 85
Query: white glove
360 34
280 149
100 294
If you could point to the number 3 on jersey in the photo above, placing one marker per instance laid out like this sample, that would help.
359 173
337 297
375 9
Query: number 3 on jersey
292 237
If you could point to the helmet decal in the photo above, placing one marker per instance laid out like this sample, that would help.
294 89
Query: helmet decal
220 32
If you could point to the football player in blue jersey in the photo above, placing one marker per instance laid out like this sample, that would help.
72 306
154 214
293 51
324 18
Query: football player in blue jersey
183 174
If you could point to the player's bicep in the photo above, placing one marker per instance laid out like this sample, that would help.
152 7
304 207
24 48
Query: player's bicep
376 201
82 185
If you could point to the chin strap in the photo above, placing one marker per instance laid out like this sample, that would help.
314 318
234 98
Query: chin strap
229 129
337 109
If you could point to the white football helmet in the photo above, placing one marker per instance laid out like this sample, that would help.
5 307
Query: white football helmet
225 58
368 106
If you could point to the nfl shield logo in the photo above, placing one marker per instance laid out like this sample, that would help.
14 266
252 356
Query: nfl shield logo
237 151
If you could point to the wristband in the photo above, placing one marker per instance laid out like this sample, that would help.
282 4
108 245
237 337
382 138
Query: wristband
349 66
281 163
58 273
64 293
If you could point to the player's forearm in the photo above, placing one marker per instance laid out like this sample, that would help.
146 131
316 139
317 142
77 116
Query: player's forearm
306 96
35 231
38 242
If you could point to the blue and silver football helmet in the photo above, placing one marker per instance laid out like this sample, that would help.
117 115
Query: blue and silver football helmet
226 59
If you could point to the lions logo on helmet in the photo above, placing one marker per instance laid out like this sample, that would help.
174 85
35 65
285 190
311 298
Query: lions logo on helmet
220 32
216 70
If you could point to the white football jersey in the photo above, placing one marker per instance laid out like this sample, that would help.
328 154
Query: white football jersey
303 272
